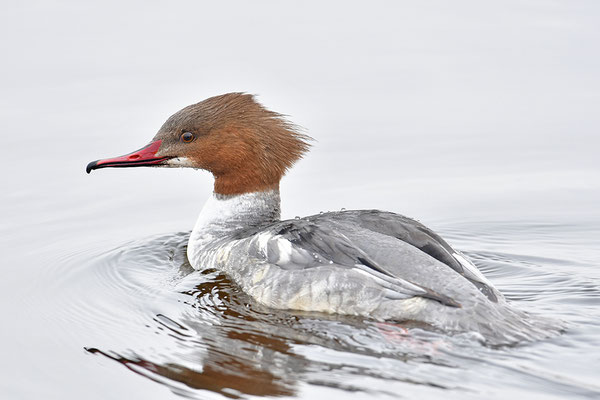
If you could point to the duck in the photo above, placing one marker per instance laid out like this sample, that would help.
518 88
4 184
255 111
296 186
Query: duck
370 264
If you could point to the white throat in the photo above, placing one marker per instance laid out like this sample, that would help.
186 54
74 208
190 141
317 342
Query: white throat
222 216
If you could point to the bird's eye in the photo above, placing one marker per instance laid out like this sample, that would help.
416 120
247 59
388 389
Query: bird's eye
187 137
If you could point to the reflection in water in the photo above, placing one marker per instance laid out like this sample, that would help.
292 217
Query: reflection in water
196 333
225 376
221 346
227 344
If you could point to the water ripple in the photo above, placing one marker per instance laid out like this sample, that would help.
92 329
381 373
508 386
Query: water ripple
197 333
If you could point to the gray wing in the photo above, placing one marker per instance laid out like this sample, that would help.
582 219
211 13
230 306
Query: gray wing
315 244
318 243
418 235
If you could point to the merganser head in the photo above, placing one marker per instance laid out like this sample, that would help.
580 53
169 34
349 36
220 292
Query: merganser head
246 147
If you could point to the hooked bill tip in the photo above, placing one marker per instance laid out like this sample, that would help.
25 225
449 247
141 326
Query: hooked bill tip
91 166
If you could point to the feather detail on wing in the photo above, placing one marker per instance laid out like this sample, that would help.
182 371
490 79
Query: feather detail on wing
301 244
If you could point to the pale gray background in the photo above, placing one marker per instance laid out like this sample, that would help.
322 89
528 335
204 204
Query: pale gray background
448 111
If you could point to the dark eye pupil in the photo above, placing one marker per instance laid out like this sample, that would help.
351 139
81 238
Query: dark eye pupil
187 137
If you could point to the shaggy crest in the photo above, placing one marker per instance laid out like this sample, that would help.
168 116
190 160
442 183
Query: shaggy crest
247 147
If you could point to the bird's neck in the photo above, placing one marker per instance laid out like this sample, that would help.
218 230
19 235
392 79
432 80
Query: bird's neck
224 215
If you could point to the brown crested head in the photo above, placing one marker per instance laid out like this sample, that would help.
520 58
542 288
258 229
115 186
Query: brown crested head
246 147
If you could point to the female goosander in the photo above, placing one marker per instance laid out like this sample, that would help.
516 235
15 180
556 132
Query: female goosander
364 262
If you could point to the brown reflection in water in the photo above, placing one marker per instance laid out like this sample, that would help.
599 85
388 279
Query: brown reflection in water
240 356
221 377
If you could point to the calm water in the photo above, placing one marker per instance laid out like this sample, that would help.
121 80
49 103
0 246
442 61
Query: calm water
480 120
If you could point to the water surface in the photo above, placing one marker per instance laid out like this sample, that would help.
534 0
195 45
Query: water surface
480 120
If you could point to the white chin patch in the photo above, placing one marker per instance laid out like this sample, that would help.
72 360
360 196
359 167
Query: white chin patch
179 162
